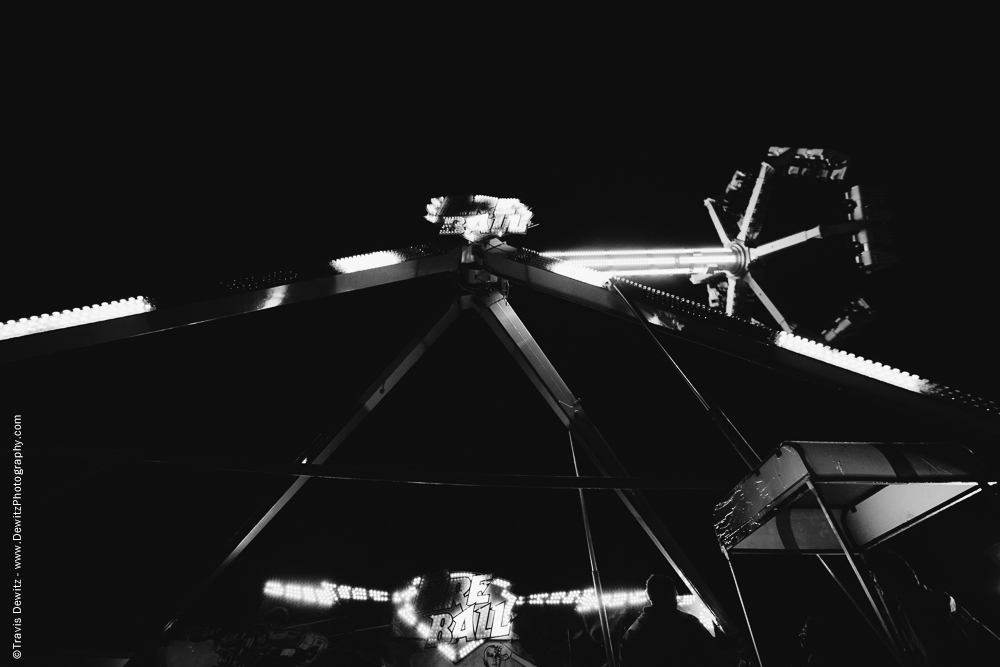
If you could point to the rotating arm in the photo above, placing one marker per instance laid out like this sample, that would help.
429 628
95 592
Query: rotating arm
746 340
344 275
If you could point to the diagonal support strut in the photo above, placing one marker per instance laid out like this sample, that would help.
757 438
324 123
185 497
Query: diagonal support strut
393 373
515 337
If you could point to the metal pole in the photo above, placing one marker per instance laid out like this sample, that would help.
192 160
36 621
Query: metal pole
602 611
896 634
841 539
739 594
386 381
735 438
885 640
519 342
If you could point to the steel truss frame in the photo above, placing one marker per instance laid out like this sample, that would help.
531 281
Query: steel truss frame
499 262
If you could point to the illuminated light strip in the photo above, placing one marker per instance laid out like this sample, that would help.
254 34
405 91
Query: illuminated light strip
594 262
71 318
586 601
612 600
323 595
372 260
626 253
657 262
469 648
708 259
600 278
326 594
851 362
659 272
639 263
581 273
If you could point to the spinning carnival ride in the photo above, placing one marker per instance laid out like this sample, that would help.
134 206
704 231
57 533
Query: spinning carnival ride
602 280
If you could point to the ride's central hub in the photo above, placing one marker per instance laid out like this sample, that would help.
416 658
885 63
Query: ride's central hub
742 259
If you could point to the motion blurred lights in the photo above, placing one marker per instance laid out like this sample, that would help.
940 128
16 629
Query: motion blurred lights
581 273
651 262
692 605
434 209
275 296
586 601
612 600
461 606
642 252
448 652
70 318
468 648
478 217
372 260
404 606
850 362
324 595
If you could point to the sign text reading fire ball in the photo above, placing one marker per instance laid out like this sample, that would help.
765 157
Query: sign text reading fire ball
467 608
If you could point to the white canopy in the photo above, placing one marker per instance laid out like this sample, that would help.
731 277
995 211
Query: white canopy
871 490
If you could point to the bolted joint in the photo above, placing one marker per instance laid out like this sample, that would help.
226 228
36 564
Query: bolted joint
475 279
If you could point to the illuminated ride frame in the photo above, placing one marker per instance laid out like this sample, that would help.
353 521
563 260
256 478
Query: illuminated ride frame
487 266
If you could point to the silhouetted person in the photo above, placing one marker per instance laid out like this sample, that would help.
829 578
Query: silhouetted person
664 635
935 629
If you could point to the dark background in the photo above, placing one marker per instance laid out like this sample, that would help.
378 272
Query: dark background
160 154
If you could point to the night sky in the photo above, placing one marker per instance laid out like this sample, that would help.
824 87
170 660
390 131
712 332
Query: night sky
158 156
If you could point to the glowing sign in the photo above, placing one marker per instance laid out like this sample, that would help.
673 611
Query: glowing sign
455 612
477 217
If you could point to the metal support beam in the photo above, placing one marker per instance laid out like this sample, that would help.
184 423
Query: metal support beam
395 476
200 307
817 232
602 610
771 308
385 382
858 606
842 540
765 173
743 605
786 242
515 337
735 438
710 205
683 319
